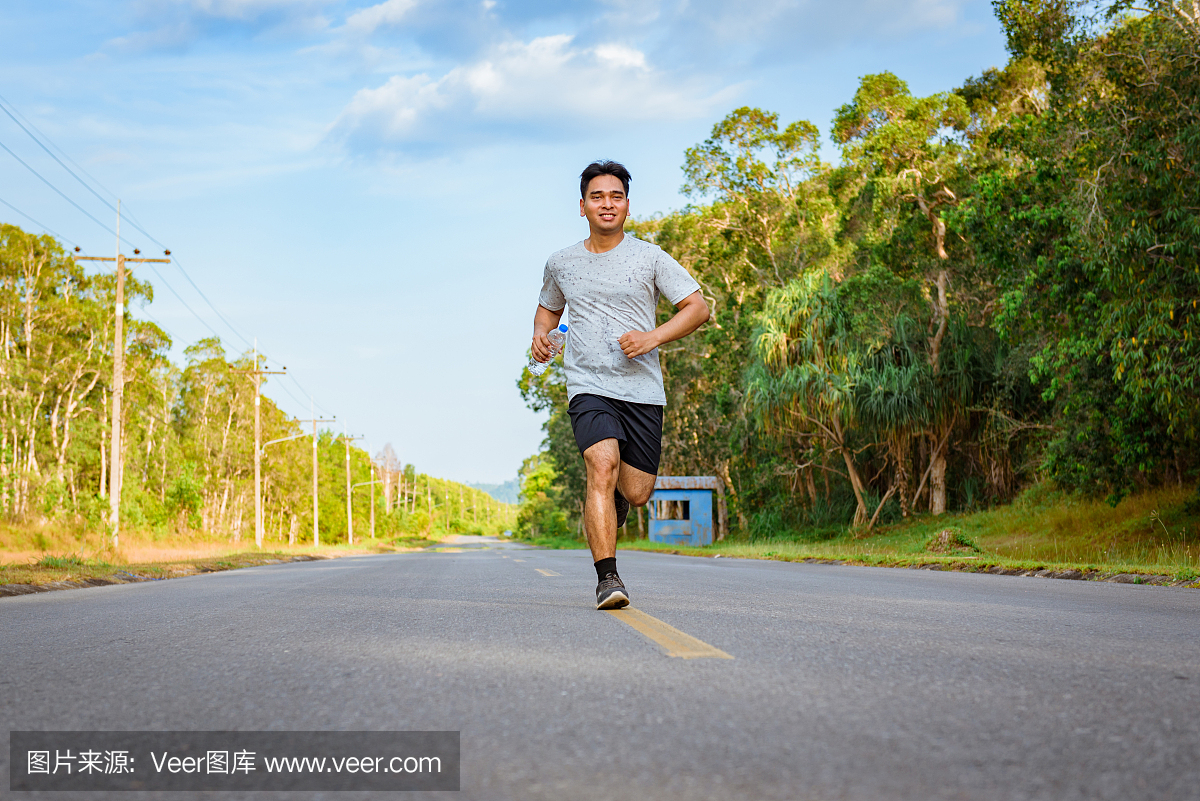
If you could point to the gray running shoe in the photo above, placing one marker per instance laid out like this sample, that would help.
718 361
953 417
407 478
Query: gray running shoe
622 507
610 593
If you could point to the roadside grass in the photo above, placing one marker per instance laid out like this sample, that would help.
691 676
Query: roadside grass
1151 534
48 553
77 568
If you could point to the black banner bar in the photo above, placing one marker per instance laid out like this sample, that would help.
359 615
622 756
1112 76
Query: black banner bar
233 760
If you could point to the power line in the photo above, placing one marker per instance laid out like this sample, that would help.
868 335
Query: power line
131 219
150 317
302 390
231 328
285 388
175 261
56 158
35 222
202 321
59 236
59 191
62 152
289 393
184 302
111 231
134 222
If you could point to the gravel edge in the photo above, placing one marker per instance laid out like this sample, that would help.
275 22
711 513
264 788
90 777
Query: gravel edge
125 577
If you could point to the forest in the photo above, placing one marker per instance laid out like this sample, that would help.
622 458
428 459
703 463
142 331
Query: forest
188 442
994 287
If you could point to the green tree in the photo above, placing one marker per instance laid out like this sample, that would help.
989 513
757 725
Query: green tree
807 365
898 149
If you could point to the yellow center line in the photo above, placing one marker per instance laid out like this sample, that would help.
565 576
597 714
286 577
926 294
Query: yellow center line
518 560
547 572
673 641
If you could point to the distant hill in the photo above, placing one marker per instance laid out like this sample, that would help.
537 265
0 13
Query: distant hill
505 493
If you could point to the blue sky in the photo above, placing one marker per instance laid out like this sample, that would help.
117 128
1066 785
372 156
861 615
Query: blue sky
371 189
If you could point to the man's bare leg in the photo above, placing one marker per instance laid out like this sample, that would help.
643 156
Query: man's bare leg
603 462
605 473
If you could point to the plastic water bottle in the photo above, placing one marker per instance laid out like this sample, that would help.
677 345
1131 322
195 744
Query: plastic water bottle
557 337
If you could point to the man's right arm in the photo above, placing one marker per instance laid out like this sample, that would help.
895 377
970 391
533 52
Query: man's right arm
544 321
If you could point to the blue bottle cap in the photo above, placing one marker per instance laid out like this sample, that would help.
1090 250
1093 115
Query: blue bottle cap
563 328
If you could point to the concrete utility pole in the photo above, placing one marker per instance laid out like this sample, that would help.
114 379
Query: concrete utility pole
349 489
114 481
314 421
258 374
263 449
372 482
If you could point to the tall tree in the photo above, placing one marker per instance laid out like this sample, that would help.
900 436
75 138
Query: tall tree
897 147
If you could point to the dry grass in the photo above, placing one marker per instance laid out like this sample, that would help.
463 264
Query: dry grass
49 553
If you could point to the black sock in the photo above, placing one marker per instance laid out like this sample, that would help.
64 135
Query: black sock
606 566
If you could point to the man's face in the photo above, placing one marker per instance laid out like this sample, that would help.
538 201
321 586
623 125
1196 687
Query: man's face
606 205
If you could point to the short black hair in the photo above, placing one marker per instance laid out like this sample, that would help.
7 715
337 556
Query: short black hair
603 167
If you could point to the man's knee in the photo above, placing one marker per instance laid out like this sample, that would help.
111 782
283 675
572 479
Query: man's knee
603 464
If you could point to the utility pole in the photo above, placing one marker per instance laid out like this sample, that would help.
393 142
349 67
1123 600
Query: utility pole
114 481
291 540
314 421
349 489
372 482
258 374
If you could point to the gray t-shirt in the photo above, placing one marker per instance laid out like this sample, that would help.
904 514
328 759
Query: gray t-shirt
609 294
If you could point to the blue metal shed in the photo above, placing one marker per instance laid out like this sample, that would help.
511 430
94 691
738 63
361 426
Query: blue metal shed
681 510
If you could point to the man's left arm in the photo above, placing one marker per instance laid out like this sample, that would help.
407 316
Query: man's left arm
690 314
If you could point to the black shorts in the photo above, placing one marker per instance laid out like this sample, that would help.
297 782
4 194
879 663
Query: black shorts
637 427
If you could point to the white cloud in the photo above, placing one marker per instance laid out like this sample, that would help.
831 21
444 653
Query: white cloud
621 56
370 19
526 87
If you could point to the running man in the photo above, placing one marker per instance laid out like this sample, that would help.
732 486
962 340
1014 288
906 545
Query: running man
612 283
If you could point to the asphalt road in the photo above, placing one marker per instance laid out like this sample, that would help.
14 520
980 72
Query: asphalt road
845 682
